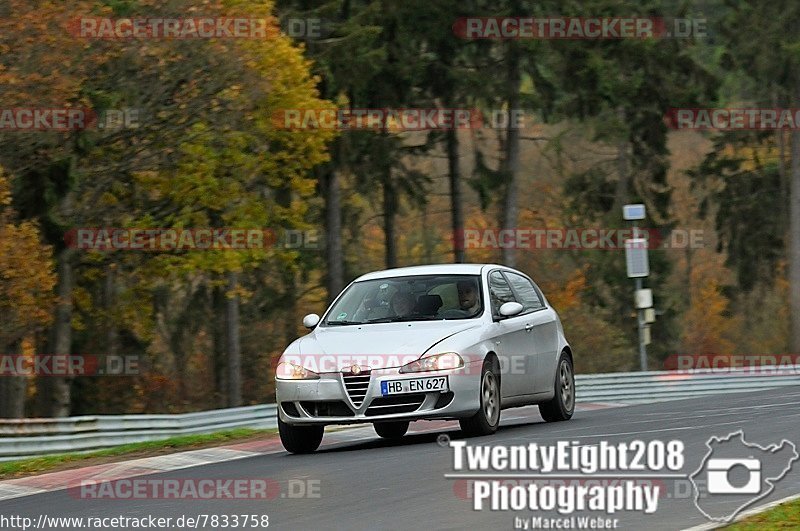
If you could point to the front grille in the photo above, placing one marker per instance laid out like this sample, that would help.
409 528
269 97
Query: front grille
395 404
356 386
330 408
444 400
290 409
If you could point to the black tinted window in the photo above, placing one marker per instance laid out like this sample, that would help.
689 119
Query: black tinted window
527 293
499 291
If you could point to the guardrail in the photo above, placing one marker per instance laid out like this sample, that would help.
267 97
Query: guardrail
30 437
654 386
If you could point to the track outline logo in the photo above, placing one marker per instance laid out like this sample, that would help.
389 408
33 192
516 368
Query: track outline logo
770 481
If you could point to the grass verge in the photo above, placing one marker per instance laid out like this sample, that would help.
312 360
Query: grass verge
47 463
784 516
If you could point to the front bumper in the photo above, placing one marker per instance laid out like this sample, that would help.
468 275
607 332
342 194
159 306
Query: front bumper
336 398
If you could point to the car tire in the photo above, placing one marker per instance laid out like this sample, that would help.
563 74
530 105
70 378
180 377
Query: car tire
300 439
486 420
391 430
562 405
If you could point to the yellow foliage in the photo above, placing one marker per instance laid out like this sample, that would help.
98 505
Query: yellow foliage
706 327
26 275
567 296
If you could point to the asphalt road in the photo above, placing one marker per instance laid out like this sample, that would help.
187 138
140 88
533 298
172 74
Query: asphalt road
365 482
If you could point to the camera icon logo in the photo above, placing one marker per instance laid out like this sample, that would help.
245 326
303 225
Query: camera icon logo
735 474
719 472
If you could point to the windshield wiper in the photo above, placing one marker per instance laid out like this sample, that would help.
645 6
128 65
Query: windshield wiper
399 319
342 323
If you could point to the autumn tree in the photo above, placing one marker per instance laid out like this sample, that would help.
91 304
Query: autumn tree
26 298
183 91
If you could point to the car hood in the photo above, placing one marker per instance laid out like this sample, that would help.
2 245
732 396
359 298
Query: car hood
376 345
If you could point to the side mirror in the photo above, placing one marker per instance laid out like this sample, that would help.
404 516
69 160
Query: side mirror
510 309
311 320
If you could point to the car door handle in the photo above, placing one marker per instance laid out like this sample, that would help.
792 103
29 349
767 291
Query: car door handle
528 327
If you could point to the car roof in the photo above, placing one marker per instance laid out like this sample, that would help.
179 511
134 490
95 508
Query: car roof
433 269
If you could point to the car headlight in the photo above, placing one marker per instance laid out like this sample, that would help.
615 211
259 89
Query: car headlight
435 362
290 371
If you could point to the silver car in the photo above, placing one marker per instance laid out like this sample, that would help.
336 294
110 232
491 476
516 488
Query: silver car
458 341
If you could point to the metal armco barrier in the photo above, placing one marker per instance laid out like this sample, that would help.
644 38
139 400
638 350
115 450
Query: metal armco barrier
30 437
655 386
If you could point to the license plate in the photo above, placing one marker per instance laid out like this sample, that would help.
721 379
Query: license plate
416 385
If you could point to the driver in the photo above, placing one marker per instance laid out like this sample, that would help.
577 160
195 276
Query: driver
468 298
402 304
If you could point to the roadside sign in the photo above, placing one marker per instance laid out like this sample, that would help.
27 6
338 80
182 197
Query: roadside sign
631 212
643 298
636 257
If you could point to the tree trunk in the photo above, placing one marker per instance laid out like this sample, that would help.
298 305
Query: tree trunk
12 397
12 390
456 201
219 361
289 298
785 187
234 343
689 254
794 244
57 388
176 346
110 304
510 212
289 307
429 239
389 215
333 234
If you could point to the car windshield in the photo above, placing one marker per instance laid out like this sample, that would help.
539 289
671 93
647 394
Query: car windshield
413 298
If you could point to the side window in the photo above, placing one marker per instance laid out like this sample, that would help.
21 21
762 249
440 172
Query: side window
499 291
524 289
